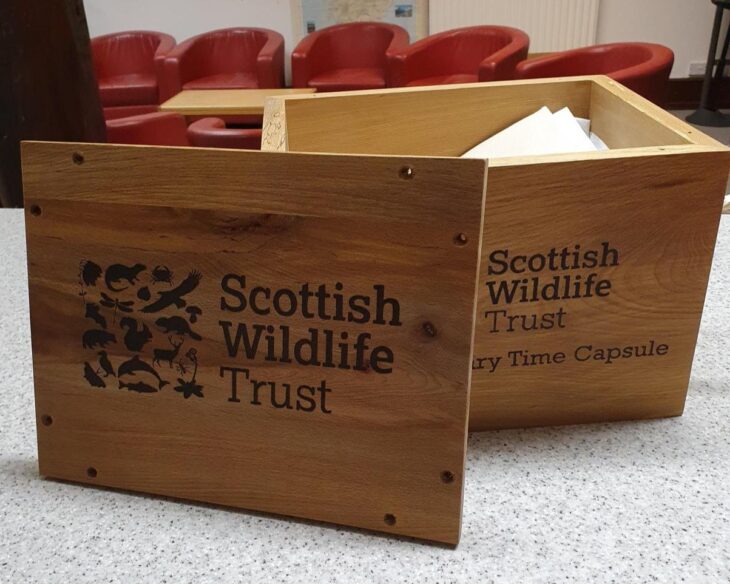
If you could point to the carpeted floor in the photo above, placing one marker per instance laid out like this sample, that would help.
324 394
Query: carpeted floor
627 502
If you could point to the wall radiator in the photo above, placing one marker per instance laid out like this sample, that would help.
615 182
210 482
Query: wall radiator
553 25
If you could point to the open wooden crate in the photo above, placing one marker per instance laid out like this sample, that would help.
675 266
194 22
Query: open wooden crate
594 266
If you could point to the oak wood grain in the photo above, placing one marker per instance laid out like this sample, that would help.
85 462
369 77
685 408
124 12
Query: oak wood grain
661 213
655 197
437 121
225 102
389 453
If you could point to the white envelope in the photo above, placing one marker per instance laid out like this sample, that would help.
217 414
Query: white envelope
540 133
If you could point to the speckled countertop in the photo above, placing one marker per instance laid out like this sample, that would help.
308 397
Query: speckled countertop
629 502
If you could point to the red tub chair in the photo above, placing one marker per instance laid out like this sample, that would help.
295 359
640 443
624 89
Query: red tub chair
642 67
170 129
232 58
156 129
346 56
213 133
461 55
125 111
128 68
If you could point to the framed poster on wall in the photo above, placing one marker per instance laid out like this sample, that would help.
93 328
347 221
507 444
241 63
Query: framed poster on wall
311 15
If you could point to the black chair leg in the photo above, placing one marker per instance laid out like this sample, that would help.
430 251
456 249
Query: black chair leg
705 115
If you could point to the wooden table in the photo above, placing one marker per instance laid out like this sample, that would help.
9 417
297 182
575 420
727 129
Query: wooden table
230 102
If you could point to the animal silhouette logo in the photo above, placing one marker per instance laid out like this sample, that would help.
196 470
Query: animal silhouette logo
167 355
176 296
137 336
119 273
176 325
138 328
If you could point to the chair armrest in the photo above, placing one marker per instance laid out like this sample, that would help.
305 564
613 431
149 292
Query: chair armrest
393 65
126 111
657 66
556 65
648 70
157 129
270 62
500 66
307 59
182 64
400 40
212 133
167 44
413 62
650 79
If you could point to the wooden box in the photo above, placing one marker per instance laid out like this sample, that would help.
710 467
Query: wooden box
288 333
594 266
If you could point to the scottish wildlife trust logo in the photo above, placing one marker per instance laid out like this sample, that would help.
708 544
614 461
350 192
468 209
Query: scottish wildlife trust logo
123 352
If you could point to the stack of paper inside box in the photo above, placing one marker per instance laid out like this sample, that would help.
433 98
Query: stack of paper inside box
543 132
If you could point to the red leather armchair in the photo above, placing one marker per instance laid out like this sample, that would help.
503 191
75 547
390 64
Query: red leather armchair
642 67
212 133
169 129
128 68
125 111
346 56
461 55
233 58
157 129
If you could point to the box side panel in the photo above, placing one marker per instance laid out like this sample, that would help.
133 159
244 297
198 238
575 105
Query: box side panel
685 132
308 363
443 122
232 180
624 119
591 288
446 121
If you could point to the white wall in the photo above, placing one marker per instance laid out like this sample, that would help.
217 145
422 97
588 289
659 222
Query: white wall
186 18
682 25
